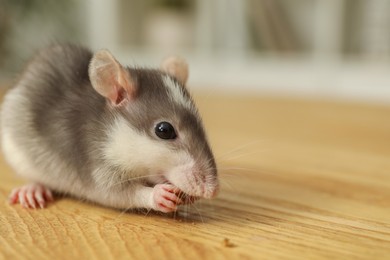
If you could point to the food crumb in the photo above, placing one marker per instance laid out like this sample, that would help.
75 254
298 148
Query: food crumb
226 243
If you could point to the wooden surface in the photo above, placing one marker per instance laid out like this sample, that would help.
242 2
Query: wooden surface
300 179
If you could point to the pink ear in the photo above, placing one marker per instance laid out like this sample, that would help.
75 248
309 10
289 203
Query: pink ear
177 68
110 79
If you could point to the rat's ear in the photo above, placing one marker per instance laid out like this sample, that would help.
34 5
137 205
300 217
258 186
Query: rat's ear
177 68
110 79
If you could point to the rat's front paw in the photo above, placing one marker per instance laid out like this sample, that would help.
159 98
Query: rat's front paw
31 196
165 198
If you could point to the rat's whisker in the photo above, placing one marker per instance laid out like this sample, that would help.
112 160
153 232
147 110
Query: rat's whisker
200 215
230 169
123 211
239 148
226 183
245 155
148 211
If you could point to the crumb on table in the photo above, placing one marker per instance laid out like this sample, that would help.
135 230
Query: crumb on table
226 243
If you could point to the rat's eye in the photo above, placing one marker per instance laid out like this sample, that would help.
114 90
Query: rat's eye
165 130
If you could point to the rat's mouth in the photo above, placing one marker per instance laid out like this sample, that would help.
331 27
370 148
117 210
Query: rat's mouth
192 186
188 199
184 196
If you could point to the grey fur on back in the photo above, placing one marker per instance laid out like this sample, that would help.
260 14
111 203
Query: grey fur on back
56 108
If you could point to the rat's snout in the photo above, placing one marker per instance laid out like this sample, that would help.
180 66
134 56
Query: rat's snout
204 177
209 182
195 179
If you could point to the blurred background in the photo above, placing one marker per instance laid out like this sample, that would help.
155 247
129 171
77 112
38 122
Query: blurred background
338 49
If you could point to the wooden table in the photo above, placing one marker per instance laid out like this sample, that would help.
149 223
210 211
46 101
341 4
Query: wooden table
300 179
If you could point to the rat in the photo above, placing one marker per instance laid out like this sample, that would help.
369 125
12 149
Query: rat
80 123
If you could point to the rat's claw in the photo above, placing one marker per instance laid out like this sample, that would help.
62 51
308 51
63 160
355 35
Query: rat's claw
165 198
170 188
13 197
39 197
22 198
48 195
31 195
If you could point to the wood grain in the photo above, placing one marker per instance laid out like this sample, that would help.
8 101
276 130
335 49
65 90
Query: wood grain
300 180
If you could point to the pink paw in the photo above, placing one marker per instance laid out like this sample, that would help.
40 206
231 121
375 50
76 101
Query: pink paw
31 196
165 198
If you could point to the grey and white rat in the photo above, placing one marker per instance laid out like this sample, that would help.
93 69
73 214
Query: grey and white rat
80 123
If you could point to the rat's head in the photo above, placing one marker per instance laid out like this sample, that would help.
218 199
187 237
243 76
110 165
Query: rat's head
156 131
